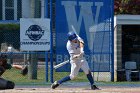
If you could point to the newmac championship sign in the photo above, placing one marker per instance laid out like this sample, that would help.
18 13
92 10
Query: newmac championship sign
34 34
93 21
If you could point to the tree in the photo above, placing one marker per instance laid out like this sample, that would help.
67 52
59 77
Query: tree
127 7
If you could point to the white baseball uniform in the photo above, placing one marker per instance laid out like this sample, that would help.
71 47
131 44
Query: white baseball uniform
76 64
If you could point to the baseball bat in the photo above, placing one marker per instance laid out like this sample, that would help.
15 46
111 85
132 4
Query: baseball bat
61 64
73 29
65 62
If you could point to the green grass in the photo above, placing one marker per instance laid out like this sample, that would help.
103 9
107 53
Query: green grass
15 76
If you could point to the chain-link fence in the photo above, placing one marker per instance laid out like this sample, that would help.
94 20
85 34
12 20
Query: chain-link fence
36 68
10 36
18 59
95 29
10 13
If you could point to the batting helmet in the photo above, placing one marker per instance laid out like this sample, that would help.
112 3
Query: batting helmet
72 36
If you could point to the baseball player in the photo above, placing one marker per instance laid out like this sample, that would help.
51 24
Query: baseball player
5 65
6 84
75 47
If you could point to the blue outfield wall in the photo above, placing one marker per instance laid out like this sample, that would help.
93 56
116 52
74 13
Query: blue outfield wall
93 21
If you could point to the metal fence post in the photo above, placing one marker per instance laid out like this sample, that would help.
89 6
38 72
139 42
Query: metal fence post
51 50
112 57
46 60
33 66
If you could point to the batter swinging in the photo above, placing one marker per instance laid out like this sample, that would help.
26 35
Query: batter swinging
75 47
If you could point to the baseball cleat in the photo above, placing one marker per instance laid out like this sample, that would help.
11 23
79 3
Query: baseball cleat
54 85
94 87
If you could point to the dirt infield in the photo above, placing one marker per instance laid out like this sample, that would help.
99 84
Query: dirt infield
75 89
72 90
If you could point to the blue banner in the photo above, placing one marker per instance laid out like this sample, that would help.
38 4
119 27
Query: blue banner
93 22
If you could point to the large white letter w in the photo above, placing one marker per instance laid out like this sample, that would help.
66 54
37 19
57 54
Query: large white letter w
85 15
